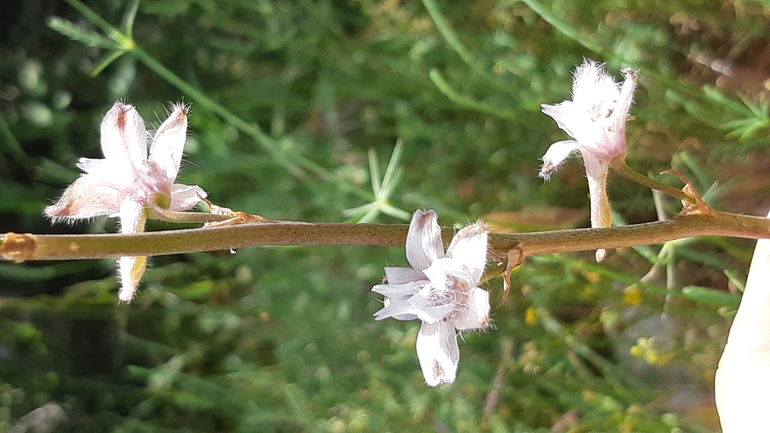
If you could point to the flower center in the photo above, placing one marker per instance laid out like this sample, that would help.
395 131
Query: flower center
162 200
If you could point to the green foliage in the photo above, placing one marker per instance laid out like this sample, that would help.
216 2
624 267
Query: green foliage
295 103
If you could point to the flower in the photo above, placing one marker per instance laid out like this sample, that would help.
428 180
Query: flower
128 180
441 290
596 119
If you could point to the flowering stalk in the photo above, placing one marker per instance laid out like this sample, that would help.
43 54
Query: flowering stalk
130 182
624 170
22 247
596 120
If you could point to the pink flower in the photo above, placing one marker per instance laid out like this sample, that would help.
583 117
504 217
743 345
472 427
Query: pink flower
596 119
441 290
128 180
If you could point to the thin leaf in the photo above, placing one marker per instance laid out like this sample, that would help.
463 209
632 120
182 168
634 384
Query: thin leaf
374 172
80 34
711 296
392 172
129 18
106 62
467 102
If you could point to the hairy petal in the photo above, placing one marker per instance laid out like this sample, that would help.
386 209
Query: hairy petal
132 216
469 249
438 352
556 155
626 98
423 241
124 137
168 145
131 270
592 87
87 197
474 312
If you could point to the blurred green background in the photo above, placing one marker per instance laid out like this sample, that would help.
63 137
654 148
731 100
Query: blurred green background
293 103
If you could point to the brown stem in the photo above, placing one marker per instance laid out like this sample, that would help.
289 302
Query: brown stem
21 247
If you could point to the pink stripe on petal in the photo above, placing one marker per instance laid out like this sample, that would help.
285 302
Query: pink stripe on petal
87 197
168 145
124 137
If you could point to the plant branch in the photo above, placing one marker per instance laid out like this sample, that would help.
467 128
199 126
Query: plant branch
22 247
624 170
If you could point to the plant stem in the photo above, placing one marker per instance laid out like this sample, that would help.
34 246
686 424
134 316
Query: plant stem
624 170
21 247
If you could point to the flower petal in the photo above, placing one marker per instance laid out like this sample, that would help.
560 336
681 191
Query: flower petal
168 145
474 312
131 270
555 155
438 352
396 290
185 197
423 241
626 95
90 165
87 197
132 216
395 275
567 116
593 88
397 308
124 137
469 249
438 272
401 311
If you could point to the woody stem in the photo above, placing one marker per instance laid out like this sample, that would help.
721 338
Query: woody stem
21 247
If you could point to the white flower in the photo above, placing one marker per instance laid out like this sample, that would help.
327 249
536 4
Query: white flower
128 180
441 290
596 119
